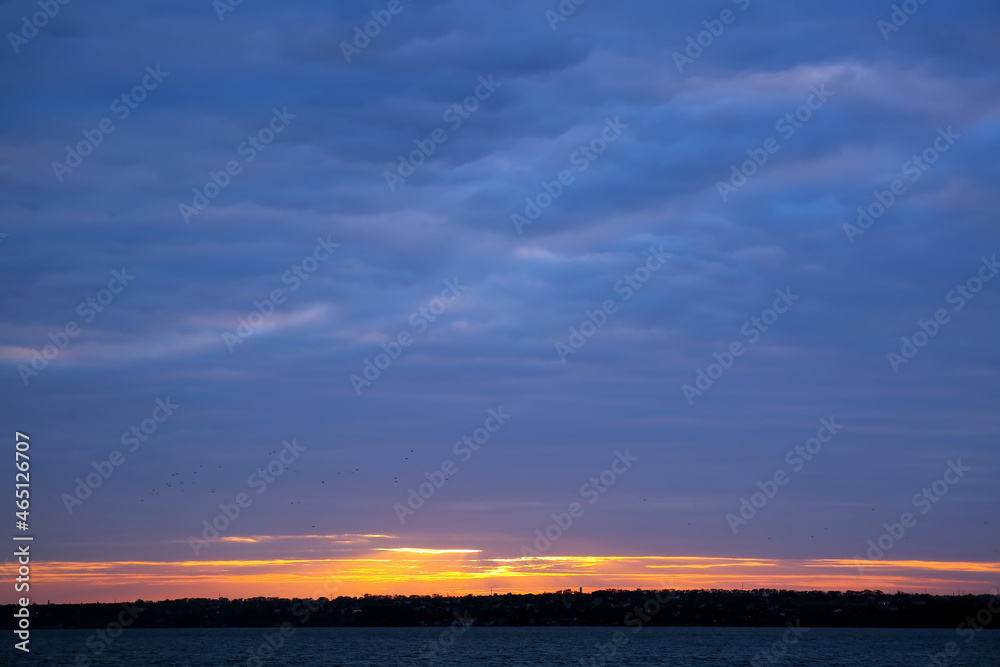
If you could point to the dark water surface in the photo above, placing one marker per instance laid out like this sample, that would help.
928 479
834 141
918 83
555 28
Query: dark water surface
514 647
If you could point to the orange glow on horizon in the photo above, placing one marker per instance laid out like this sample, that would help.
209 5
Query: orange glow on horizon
415 550
424 571
346 538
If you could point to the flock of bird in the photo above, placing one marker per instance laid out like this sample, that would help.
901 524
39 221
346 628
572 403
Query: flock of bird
178 485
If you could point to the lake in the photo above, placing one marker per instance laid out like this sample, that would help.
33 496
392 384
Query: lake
510 647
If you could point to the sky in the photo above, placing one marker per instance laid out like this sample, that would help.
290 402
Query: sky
447 297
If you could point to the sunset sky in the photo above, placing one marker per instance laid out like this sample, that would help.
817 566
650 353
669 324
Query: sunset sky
501 296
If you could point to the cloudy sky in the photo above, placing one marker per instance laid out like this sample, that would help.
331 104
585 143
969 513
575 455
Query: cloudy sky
443 276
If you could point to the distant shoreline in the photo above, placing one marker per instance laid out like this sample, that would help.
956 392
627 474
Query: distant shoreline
603 608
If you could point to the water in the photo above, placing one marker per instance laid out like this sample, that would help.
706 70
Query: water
508 647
